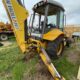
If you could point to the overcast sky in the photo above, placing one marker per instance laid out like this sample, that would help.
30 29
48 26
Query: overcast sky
72 10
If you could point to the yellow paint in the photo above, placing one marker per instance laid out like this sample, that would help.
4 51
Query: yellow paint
52 35
21 14
59 49
50 67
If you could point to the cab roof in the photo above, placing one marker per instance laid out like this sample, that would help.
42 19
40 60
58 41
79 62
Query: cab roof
53 6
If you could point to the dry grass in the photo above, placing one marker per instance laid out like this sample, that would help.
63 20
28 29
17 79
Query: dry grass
69 29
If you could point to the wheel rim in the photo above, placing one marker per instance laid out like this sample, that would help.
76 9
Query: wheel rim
4 37
59 49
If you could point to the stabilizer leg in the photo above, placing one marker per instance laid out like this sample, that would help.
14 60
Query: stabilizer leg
47 61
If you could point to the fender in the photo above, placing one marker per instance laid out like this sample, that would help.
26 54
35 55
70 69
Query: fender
52 35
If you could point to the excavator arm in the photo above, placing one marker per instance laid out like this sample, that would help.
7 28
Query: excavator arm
18 17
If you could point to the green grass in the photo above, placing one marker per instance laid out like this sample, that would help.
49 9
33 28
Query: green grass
12 38
66 69
13 67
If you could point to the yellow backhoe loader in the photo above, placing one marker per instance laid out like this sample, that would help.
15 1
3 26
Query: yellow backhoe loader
44 33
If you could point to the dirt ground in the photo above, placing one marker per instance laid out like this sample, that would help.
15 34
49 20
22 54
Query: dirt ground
74 54
6 43
74 57
41 73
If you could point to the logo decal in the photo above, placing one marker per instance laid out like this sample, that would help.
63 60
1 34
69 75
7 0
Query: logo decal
12 14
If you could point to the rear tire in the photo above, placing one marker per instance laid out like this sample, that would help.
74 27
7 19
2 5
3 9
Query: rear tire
3 37
55 48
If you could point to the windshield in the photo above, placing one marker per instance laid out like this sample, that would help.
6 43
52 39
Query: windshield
52 19
38 22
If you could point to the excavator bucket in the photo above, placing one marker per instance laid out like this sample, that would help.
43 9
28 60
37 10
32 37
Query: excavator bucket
18 17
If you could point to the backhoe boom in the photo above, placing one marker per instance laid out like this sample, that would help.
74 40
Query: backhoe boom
17 15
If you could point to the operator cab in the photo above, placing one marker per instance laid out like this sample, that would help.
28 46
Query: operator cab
47 16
